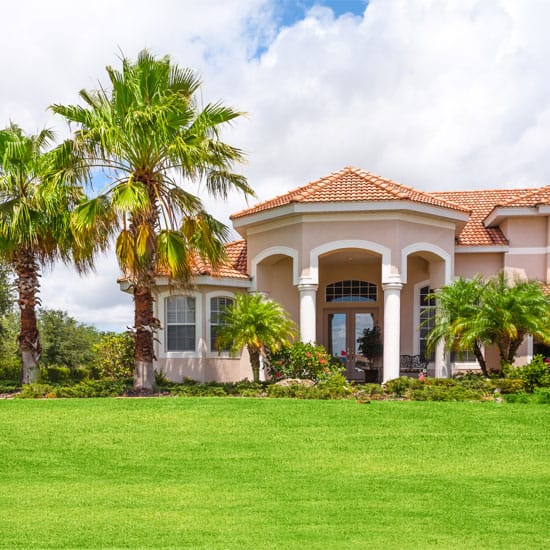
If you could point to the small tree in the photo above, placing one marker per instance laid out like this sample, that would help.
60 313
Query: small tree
257 323
501 311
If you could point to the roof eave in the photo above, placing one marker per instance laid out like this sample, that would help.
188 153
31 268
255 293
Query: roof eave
500 213
295 208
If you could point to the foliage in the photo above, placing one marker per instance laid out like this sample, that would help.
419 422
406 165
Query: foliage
38 190
85 388
148 130
499 311
533 375
65 341
370 343
114 356
301 360
257 323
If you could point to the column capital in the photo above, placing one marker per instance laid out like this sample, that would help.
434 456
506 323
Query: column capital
304 286
392 285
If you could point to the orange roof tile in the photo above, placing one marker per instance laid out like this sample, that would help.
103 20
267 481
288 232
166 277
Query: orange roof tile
540 195
234 267
351 184
481 203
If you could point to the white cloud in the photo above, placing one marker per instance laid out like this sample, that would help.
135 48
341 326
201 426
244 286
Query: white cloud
435 94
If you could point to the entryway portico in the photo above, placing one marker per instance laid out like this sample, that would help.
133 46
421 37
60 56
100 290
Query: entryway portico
352 228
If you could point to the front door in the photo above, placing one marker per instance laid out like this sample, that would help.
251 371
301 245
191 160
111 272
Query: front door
344 329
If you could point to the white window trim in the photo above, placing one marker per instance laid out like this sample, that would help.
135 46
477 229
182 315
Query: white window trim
416 315
199 342
209 352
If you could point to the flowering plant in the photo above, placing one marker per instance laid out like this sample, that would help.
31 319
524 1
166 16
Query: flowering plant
300 360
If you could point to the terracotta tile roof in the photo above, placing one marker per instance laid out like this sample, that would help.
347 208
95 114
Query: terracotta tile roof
541 195
234 267
351 184
481 203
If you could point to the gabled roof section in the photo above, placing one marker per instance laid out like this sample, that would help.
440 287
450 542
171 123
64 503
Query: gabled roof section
351 185
481 203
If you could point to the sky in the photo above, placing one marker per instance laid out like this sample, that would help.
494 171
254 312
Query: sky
436 94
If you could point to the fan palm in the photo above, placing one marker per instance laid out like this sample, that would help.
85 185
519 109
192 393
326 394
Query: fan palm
36 195
257 323
149 133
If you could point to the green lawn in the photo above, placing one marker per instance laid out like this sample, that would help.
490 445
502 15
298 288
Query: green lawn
253 473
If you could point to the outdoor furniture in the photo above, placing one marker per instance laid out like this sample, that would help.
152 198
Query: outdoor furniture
373 373
413 364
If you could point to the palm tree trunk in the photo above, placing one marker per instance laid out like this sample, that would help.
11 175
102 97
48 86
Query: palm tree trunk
27 275
480 359
145 326
254 355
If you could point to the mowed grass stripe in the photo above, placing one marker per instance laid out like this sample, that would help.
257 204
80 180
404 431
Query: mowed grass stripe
253 473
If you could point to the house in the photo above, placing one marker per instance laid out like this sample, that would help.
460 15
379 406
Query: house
350 251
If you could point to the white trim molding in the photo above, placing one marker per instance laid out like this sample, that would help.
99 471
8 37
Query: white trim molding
426 247
368 246
199 340
208 309
273 251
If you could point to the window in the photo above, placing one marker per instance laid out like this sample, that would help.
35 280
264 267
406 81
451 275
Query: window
463 357
217 305
180 323
426 320
351 291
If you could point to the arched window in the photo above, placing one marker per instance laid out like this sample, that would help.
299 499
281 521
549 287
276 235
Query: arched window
351 291
180 323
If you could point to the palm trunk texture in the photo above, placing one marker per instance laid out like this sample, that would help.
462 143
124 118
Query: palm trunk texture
254 355
27 283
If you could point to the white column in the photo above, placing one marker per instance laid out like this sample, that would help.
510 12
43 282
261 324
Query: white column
392 328
442 363
308 311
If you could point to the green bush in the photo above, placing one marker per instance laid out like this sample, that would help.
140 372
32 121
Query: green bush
115 356
55 374
92 388
9 386
399 387
508 385
36 391
533 375
10 368
542 396
302 360
448 393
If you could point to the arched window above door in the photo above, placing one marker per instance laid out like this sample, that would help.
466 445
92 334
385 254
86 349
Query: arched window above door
351 291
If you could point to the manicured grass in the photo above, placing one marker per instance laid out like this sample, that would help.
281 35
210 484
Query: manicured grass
253 473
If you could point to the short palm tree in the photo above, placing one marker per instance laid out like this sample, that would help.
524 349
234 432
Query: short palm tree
257 323
472 313
510 310
35 199
148 131
456 320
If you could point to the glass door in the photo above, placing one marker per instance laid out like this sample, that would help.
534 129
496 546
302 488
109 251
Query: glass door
344 329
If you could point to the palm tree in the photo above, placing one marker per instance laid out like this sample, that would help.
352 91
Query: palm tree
257 323
456 319
35 198
150 134
472 313
510 310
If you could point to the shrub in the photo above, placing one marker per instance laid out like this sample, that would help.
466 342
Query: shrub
533 375
399 387
10 368
55 374
508 385
542 396
302 360
34 391
92 388
115 356
447 393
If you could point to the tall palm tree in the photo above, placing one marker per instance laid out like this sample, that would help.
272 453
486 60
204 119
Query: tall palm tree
36 195
257 323
149 132
456 319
